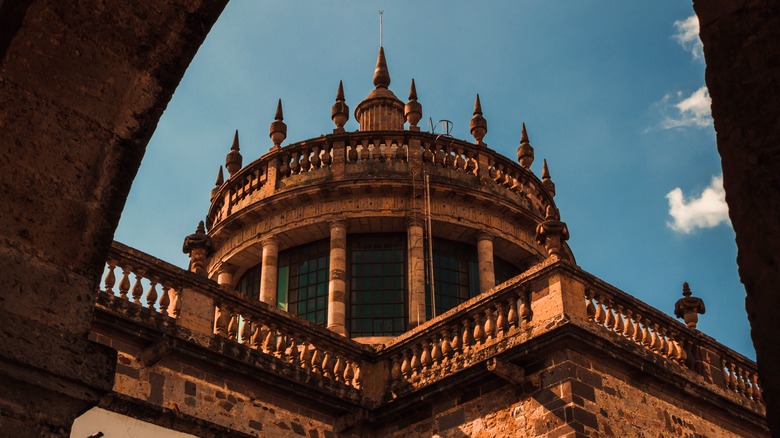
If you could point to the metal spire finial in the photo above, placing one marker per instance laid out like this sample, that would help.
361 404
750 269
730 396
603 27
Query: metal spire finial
380 27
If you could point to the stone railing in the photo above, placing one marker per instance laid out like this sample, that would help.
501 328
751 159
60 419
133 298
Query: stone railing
478 329
139 279
668 338
332 155
235 325
548 296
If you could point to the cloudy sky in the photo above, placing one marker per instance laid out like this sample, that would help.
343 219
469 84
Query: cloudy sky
612 94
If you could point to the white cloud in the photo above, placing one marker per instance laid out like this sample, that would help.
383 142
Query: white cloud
708 210
688 36
693 110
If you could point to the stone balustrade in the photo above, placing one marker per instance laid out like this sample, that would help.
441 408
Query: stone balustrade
143 280
548 296
660 334
468 334
234 325
333 157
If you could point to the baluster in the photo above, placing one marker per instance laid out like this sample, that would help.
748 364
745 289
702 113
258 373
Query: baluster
316 359
441 156
610 322
757 395
655 343
619 326
455 342
349 374
326 364
165 300
601 315
511 316
232 328
662 347
358 380
427 155
395 369
254 340
305 357
352 155
436 354
733 376
683 355
525 307
269 343
138 289
292 348
326 158
110 278
295 167
375 150
460 162
646 337
468 339
281 344
394 152
364 152
479 330
406 366
176 302
501 323
590 309
671 348
425 358
246 330
416 360
741 381
151 294
305 163
221 324
628 331
638 334
338 369
315 158
490 325
446 347
124 283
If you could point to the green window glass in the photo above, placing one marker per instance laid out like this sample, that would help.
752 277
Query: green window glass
455 274
249 284
377 284
302 284
504 270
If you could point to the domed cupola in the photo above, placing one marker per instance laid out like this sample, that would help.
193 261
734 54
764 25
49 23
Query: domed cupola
381 110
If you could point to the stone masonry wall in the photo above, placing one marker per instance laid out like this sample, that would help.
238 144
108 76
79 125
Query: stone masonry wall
224 400
566 396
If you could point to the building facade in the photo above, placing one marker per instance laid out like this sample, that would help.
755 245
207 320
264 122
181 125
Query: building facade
395 282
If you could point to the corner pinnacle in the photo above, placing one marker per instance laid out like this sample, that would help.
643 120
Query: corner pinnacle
235 146
220 178
545 170
381 74
524 135
340 93
279 115
412 91
477 106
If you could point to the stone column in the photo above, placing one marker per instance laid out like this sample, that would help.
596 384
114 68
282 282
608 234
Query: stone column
416 270
337 286
487 274
269 271
225 276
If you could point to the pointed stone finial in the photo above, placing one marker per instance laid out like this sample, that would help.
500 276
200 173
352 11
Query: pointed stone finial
220 178
547 183
413 109
199 246
478 124
381 73
278 129
234 160
339 112
525 152
688 307
217 184
552 233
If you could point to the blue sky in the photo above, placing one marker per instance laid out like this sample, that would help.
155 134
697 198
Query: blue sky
611 93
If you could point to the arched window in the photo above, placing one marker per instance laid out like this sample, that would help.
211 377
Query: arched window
249 284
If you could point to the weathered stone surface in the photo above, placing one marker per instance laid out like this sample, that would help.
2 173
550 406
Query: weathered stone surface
742 53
